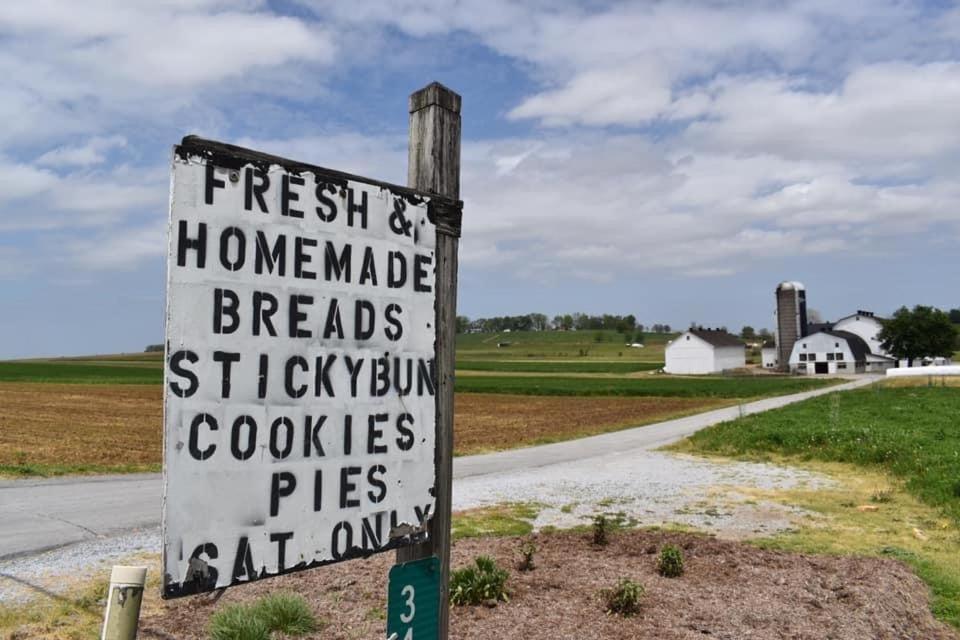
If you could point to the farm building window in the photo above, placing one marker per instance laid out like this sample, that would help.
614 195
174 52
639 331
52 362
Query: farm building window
840 355
841 365
803 357
836 344
801 367
829 356
688 337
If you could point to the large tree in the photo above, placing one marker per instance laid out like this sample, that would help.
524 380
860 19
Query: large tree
918 333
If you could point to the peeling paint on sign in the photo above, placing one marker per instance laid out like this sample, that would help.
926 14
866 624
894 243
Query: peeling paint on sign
300 384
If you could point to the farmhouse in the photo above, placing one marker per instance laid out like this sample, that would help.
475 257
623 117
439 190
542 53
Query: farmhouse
699 351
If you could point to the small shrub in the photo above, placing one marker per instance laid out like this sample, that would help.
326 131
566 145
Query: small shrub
601 527
624 599
482 582
287 613
238 622
527 549
670 562
882 495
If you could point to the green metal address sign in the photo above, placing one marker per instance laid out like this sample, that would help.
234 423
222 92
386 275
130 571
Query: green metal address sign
413 596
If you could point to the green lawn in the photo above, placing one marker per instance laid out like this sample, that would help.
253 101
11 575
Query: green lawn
552 366
654 386
911 432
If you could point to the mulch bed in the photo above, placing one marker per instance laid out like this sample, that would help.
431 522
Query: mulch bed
730 590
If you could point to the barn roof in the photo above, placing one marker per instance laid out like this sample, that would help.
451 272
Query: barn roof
717 338
857 345
817 327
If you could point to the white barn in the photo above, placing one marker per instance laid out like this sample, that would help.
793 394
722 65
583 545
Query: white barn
836 352
700 351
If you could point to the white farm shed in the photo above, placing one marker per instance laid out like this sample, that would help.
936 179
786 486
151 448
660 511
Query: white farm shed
699 351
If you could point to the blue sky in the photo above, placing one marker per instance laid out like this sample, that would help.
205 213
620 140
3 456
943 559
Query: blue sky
671 160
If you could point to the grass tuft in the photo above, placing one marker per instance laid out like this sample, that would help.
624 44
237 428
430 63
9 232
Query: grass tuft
286 613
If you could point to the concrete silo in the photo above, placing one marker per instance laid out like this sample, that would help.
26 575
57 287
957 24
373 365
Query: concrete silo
791 317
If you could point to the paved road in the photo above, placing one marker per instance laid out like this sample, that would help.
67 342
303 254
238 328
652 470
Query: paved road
37 515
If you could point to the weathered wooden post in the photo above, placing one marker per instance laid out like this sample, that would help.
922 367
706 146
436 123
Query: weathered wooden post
123 603
434 166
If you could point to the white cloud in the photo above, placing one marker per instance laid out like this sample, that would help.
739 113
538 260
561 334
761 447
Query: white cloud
90 153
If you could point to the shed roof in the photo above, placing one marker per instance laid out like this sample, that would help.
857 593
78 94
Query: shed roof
718 338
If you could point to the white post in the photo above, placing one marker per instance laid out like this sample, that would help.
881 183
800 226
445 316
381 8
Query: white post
123 603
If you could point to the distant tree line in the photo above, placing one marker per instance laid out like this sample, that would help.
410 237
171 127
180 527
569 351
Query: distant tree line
921 332
626 324
152 348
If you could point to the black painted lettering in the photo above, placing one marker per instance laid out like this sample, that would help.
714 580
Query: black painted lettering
396 269
394 328
293 363
269 258
243 450
353 368
357 208
371 536
341 540
327 210
322 375
287 195
281 539
337 267
205 579
379 377
225 303
426 377
282 484
297 316
243 561
211 183
374 433
403 389
193 443
255 190
333 325
264 306
422 514
347 434
405 439
302 258
363 320
235 263
368 271
262 375
311 436
226 360
185 243
177 368
421 282
347 487
318 490
281 446
375 478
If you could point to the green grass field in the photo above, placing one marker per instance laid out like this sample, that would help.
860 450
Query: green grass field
559 345
81 372
911 432
554 366
740 387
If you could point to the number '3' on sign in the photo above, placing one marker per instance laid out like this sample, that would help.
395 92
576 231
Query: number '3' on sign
413 600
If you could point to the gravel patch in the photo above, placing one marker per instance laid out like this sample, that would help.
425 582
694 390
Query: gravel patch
57 570
643 487
647 488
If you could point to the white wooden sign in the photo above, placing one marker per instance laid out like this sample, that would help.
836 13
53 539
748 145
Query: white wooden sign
299 410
